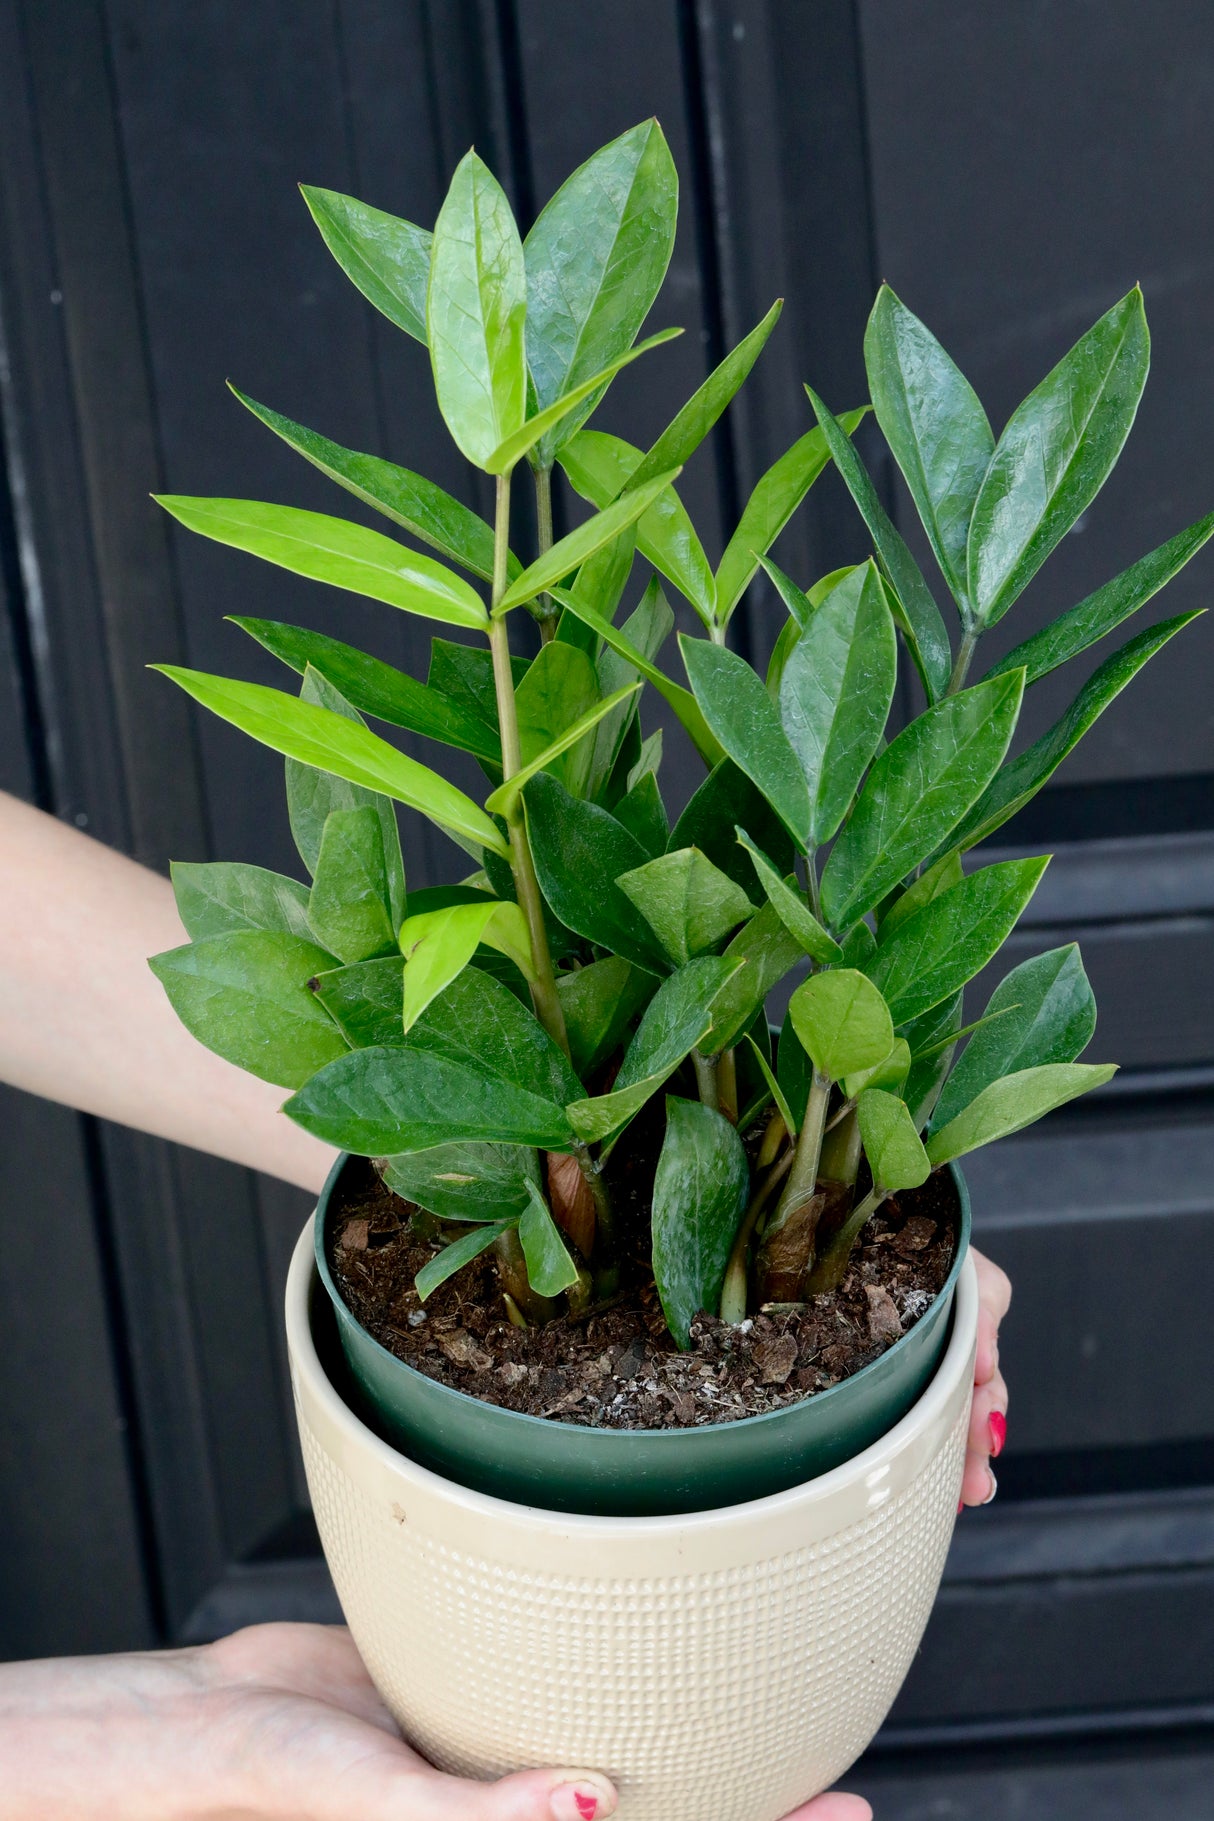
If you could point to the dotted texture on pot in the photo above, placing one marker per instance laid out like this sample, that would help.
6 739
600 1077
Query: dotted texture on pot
734 1692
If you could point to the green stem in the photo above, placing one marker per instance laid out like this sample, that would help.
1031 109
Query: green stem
706 1080
829 1270
841 1149
543 985
735 1290
727 1084
815 896
716 632
544 608
965 657
803 1176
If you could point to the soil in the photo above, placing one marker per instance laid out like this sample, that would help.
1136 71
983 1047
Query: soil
616 1367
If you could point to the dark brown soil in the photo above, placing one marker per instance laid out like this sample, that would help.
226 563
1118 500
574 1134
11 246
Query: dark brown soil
617 1367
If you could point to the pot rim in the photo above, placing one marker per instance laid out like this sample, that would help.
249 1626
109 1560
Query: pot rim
644 1438
867 1468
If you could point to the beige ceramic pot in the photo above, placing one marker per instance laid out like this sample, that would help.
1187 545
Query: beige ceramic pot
724 1663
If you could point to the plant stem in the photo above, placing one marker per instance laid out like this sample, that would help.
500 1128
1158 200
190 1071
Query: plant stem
734 1291
965 657
543 984
707 1082
815 897
841 1150
544 609
727 1084
829 1270
716 632
803 1176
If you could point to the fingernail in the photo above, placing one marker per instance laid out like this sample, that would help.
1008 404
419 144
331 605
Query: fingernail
578 1802
994 1488
960 1506
996 1422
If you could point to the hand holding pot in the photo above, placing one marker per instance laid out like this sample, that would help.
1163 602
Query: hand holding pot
988 1417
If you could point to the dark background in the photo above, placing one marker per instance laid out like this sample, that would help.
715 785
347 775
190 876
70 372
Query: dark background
1012 171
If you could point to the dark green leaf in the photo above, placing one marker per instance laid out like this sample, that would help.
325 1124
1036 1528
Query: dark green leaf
895 1153
643 814
213 900
794 1070
465 674
1055 455
724 801
685 432
765 951
459 1253
599 1003
475 1182
773 1087
365 1001
1009 1105
743 717
388 259
550 1269
941 877
699 1197
558 689
568 552
245 996
842 1022
686 901
933 1043
478 1022
790 906
350 909
647 627
580 851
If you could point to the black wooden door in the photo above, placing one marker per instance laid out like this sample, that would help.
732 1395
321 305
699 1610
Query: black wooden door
1011 171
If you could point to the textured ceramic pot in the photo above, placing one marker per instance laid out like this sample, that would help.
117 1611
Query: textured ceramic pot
634 1472
726 1663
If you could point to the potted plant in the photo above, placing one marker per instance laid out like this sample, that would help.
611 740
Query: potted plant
632 1345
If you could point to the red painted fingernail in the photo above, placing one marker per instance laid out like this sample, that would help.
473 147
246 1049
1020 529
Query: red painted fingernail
996 1422
960 1506
587 1806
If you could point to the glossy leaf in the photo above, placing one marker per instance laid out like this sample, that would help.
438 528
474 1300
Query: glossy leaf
1055 455
647 627
915 608
941 877
464 673
700 1192
933 1042
478 1021
550 1269
686 431
931 418
595 260
800 610
1048 1015
688 904
743 718
725 800
794 1070
476 306
939 948
600 467
350 908
789 905
894 1150
568 552
917 792
512 449
891 1072
773 1087
1021 778
409 499
454 1257
318 737
474 1182
387 258
643 814
245 996
580 851
842 1022
1010 1104
763 952
1073 632
365 1000
336 551
775 498
384 1102
599 1002
438 945
503 799
836 692
224 896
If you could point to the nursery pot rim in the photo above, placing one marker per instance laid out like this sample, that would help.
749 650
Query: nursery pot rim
869 1466
645 1438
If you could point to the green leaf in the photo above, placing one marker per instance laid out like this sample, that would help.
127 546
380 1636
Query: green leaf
409 499
794 1070
216 899
438 945
699 1197
933 1043
775 498
917 792
763 951
376 688
743 717
245 996
642 812
894 1150
941 877
318 737
476 306
773 1087
686 901
580 851
464 673
842 1022
1056 453
800 612
550 1269
836 692
916 610
685 432
568 552
384 1102
454 1257
388 259
677 1020
350 907
599 1002
931 418
724 800
595 259
365 1001
1010 1104
647 627
939 948
478 1021
1020 780
890 1073
503 799
474 1182
600 467
1073 632
537 428
1043 1011
681 700
333 550
791 908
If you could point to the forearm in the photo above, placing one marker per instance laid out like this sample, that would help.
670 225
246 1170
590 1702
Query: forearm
84 1021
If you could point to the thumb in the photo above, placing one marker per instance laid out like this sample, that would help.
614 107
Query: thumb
834 1806
529 1795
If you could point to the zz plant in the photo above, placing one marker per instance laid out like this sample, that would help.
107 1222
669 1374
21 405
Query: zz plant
490 1044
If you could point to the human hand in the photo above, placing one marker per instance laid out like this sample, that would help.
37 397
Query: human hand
988 1418
276 1723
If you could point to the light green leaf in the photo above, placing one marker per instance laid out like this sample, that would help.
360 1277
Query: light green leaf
438 945
550 1269
535 429
503 799
245 996
800 611
791 908
842 1022
459 1253
568 552
686 431
333 550
895 1153
474 1182
1010 1104
699 1197
219 898
1056 453
388 259
600 467
350 906
687 902
941 877
762 951
743 718
891 1073
476 306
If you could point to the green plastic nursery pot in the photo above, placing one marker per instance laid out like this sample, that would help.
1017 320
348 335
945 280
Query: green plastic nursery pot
633 1472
